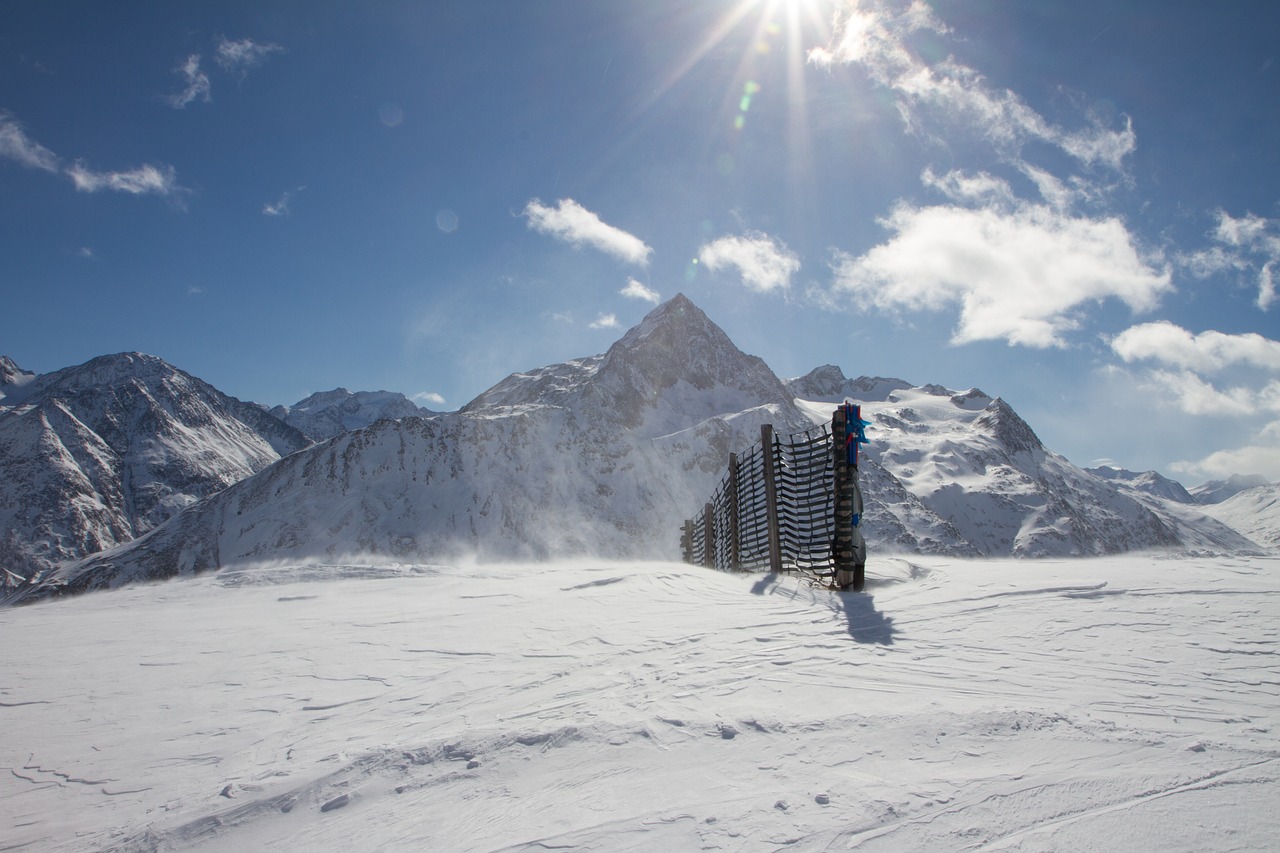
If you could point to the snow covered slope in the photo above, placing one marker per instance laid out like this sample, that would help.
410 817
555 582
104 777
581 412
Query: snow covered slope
1121 703
1254 512
577 459
971 460
329 413
97 454
1198 526
1148 482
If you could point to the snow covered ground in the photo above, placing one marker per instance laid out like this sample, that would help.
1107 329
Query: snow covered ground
1123 703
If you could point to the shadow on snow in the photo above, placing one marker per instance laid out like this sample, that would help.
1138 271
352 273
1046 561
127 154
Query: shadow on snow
865 623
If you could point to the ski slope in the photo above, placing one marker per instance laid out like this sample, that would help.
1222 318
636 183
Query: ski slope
1113 703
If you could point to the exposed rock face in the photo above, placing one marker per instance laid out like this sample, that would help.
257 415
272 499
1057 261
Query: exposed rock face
328 413
98 454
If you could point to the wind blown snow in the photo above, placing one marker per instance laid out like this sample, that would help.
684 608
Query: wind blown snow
1115 703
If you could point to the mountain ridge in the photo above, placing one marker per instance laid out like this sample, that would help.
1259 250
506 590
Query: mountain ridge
99 453
606 455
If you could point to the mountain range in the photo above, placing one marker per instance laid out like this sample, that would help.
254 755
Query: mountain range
127 469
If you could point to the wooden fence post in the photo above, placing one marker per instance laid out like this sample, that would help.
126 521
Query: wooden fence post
709 536
850 571
734 539
686 541
771 498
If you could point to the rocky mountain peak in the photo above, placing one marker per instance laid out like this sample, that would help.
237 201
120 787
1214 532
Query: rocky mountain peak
828 384
670 372
1217 491
13 379
1009 428
325 414
10 372
677 362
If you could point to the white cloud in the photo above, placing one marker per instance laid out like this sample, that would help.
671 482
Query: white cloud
1019 276
1266 287
574 224
429 397
958 186
1248 230
243 55
636 290
16 145
1249 244
764 263
1195 396
197 83
1207 352
874 35
144 180
1261 456
604 321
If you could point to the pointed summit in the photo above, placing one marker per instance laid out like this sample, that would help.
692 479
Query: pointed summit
672 371
677 368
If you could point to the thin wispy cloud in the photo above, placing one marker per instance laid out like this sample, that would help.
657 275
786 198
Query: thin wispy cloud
16 145
197 86
149 179
604 321
237 57
764 263
874 34
577 226
1020 275
1246 245
144 180
636 290
280 207
242 55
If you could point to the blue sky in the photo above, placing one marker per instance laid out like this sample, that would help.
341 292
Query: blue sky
1074 206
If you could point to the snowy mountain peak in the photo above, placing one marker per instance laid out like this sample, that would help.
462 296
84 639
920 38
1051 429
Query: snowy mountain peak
11 373
1009 428
828 384
672 371
1148 482
102 452
328 413
12 380
676 364
1217 491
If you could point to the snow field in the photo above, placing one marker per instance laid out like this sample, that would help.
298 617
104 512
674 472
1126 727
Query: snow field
1116 703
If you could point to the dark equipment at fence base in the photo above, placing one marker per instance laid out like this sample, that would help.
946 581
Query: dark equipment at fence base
789 504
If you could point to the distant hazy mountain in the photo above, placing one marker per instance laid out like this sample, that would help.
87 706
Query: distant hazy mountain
607 455
1255 512
95 455
1217 491
329 413
1149 482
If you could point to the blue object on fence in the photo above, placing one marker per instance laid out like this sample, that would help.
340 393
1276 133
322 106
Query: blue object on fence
855 432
